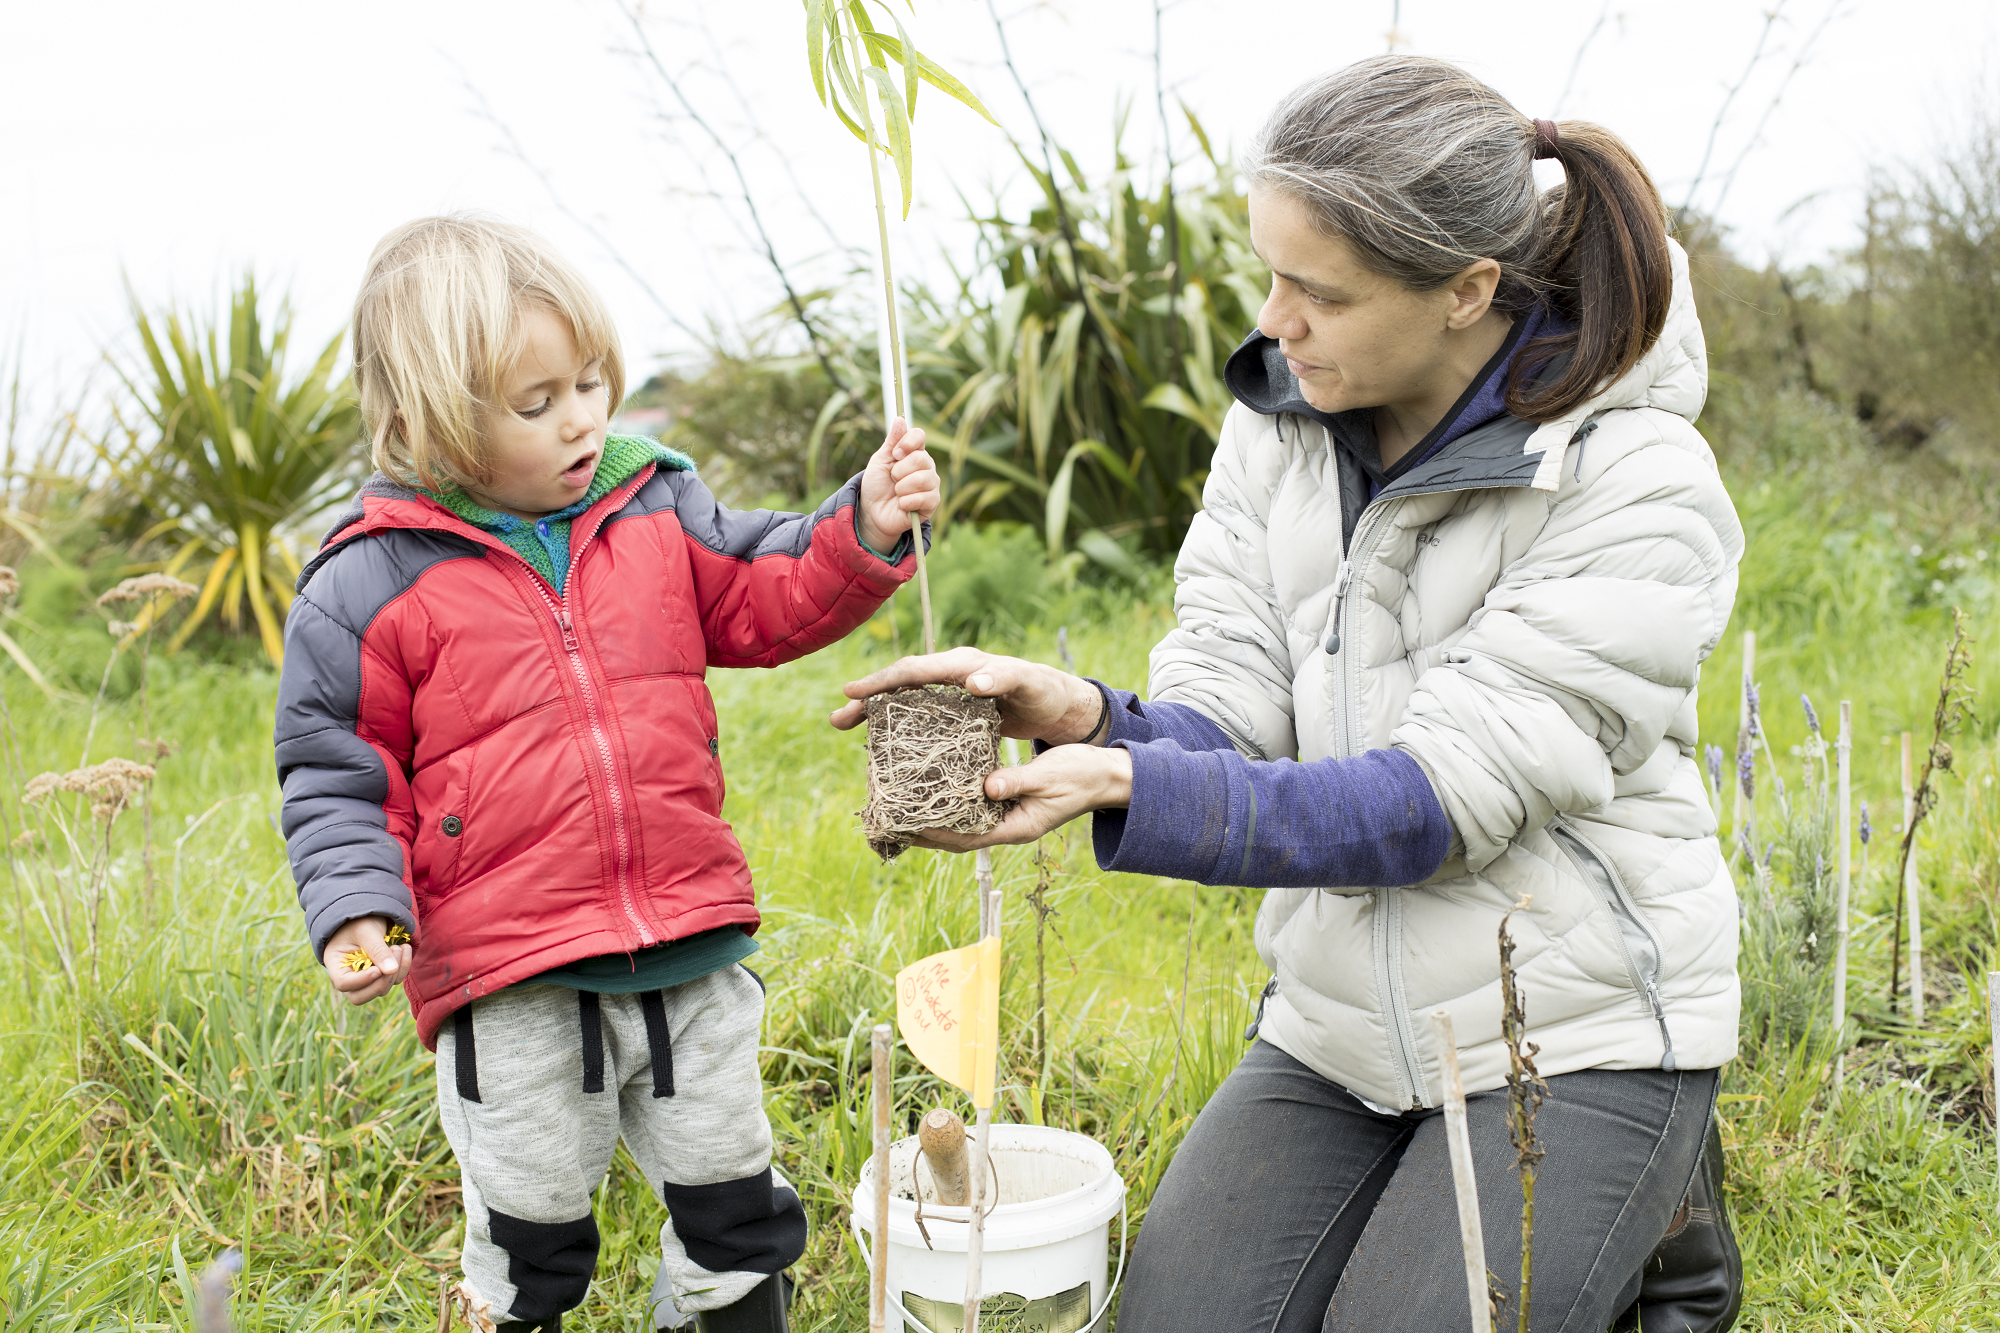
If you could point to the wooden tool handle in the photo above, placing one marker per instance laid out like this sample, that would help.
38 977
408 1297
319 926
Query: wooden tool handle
942 1136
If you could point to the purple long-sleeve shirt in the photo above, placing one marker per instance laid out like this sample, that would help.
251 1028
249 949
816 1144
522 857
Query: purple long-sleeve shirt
1201 811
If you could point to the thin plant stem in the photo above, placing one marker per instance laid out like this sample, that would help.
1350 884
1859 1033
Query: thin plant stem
83 760
895 333
1173 211
1525 1090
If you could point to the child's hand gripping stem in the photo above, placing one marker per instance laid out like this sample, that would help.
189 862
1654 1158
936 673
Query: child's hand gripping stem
367 957
899 492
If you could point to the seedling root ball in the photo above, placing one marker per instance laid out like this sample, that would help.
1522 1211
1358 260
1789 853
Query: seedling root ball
929 752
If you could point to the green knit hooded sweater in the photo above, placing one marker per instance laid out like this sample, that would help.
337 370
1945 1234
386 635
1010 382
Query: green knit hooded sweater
544 543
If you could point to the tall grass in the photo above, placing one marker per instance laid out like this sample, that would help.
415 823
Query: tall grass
200 1089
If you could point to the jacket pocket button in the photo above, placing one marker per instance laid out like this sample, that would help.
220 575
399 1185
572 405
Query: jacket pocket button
715 746
452 826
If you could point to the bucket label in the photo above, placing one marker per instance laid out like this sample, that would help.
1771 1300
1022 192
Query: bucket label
1064 1312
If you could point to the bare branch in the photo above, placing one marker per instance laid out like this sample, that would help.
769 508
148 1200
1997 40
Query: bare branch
520 155
1771 16
792 297
1798 63
1576 63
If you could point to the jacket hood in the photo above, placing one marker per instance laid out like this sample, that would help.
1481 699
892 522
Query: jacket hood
1672 376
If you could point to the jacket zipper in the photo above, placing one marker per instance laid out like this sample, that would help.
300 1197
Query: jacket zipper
1597 872
600 741
1395 1002
1388 902
600 734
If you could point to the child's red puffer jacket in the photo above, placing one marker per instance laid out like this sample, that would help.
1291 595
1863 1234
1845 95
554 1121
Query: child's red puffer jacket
524 779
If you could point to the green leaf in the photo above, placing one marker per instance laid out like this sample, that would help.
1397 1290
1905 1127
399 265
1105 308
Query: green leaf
939 78
1109 554
1057 517
1170 397
910 76
816 45
896 126
813 441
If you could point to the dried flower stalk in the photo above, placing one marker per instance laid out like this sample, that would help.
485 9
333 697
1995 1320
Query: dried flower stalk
1525 1090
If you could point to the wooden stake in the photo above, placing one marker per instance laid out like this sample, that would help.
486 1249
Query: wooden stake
982 1148
1842 749
1739 825
878 1277
1910 890
1463 1182
942 1137
1993 1015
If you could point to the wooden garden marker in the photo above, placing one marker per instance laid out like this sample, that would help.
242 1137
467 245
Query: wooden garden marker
1842 748
982 1147
878 1277
1462 1179
1739 823
1910 891
1993 1014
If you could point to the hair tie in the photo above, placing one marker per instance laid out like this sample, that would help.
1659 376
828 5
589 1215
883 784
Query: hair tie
1546 138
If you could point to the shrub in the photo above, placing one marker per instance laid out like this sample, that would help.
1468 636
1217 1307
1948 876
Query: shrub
231 449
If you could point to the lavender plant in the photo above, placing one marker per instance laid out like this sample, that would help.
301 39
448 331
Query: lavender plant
1790 897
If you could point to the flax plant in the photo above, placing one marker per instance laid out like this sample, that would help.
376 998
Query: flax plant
231 448
1083 355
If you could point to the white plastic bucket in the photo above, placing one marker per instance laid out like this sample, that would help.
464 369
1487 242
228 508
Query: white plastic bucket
1046 1240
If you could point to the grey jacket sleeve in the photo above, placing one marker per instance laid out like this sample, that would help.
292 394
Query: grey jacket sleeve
347 809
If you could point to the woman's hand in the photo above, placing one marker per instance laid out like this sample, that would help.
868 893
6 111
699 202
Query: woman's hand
900 480
388 963
1063 783
1036 702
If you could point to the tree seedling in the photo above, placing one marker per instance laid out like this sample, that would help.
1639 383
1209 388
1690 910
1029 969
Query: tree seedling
930 749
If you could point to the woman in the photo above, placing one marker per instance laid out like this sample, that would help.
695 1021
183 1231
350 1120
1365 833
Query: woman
1440 624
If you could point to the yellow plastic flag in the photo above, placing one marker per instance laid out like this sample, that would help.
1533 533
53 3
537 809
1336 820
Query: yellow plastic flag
948 1010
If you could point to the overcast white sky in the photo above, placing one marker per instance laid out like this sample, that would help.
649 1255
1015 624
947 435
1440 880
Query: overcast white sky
177 144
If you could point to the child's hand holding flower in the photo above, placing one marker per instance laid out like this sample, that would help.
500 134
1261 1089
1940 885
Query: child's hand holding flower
381 948
899 480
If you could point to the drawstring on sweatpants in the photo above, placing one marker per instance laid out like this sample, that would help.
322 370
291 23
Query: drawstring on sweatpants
590 1014
465 1060
659 1042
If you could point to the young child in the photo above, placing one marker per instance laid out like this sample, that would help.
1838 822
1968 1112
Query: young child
493 734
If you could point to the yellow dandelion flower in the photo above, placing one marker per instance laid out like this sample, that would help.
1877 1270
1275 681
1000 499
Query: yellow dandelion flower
357 960
396 935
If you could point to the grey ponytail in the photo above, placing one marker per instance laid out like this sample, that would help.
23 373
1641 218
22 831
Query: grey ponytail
1424 169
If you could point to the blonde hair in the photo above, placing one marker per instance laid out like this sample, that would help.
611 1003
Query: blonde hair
438 325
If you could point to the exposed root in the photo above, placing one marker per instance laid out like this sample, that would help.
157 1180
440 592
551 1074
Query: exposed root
929 752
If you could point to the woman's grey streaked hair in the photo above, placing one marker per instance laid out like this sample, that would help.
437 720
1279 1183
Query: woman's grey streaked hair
1417 164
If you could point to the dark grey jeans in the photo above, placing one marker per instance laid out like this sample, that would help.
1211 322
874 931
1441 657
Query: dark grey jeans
1292 1207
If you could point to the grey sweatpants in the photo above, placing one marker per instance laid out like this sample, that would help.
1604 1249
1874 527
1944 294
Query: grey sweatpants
535 1086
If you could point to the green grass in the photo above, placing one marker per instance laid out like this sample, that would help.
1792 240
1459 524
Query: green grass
180 1079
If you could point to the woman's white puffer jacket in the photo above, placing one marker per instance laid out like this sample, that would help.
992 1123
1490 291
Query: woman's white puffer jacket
1526 615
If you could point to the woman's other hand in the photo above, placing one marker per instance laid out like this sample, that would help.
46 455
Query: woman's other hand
1061 784
899 481
1036 702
